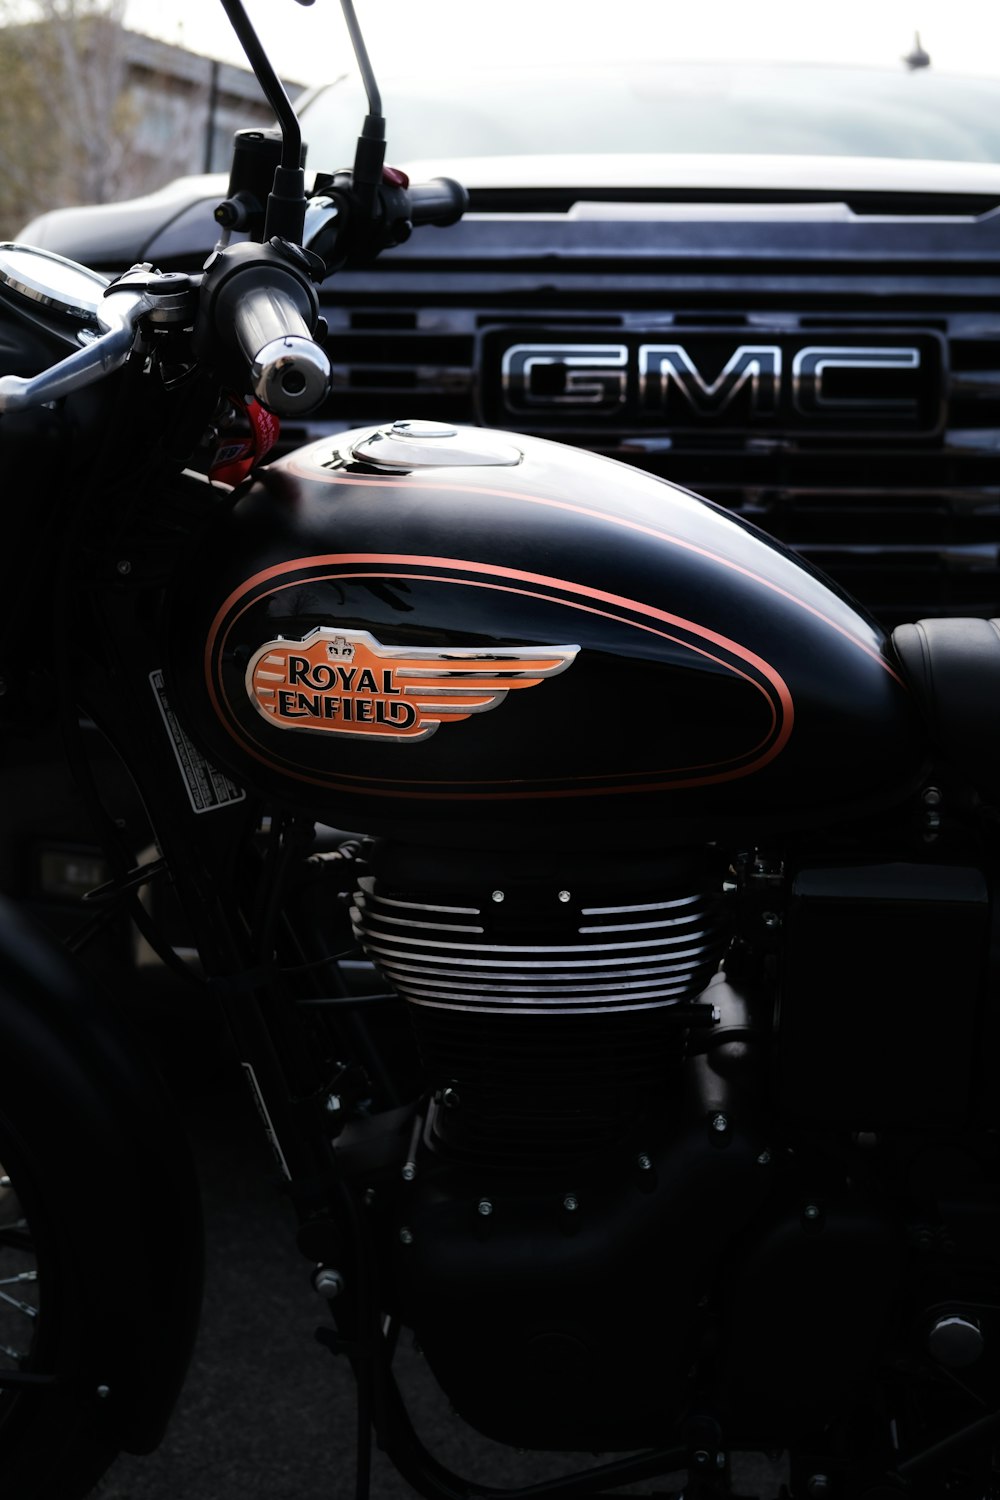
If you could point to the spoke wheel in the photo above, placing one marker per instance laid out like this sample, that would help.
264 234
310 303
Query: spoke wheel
51 1443
18 1284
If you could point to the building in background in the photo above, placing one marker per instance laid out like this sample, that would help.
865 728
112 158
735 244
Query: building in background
93 113
186 108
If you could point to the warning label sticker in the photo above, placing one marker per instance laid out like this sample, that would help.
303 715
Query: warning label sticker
208 788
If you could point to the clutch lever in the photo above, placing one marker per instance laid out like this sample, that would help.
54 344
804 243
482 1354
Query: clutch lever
140 294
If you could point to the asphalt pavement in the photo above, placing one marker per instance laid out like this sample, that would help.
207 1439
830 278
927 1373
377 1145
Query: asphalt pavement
265 1411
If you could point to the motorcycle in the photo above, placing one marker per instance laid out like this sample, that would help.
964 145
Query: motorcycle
661 1107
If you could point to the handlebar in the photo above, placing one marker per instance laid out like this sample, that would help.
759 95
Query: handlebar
289 373
255 307
260 299
342 228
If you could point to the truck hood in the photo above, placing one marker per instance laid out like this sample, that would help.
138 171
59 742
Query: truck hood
176 225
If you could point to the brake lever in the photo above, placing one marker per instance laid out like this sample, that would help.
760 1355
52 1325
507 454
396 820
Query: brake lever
140 294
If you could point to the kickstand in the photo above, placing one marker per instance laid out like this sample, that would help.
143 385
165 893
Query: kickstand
364 1377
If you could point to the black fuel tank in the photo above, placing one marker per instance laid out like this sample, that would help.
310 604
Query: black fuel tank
419 628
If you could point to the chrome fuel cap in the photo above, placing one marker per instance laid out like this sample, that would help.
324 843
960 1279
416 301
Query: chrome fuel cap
416 444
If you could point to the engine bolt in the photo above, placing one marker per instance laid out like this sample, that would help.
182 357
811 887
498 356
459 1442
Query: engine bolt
565 896
368 1197
645 1162
409 1171
571 1203
771 919
720 1123
328 1282
955 1341
406 1235
104 1391
720 1460
764 1159
818 1484
932 797
124 567
498 896
332 1103
485 1207
812 1213
449 1097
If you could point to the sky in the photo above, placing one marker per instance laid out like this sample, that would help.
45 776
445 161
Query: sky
310 44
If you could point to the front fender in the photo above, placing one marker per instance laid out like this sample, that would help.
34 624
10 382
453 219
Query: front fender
111 1168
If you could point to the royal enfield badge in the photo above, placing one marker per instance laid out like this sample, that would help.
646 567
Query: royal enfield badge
347 682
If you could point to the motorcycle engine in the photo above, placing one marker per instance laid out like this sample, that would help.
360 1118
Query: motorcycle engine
544 994
582 1164
630 1140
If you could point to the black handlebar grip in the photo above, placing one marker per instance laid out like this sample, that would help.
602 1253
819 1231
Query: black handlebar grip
440 201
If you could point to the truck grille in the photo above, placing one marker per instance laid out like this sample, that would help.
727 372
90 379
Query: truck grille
906 520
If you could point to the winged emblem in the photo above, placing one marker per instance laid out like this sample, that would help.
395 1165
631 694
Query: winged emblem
346 682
